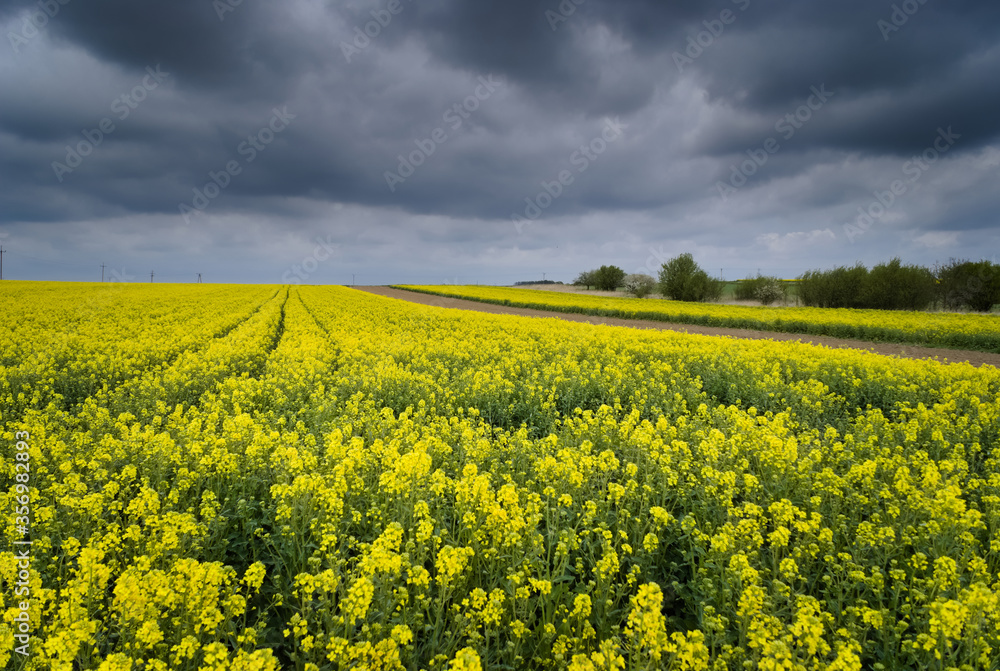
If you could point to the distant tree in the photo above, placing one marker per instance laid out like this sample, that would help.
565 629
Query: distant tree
969 284
586 279
893 286
683 280
837 288
639 285
609 278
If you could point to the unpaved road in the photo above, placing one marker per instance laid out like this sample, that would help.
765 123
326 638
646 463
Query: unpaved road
908 351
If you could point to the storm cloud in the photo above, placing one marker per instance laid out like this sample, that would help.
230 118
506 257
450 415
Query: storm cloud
447 141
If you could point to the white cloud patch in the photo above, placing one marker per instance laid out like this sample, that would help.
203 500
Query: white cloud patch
937 239
795 241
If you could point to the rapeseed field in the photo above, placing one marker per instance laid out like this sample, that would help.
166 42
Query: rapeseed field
258 477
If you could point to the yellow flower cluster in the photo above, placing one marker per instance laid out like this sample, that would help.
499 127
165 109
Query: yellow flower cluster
315 478
963 331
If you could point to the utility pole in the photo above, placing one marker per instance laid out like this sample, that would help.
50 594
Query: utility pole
543 277
150 276
199 278
1 262
102 272
352 279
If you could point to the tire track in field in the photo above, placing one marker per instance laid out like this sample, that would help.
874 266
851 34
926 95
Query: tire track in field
279 330
235 325
70 400
132 395
160 367
888 349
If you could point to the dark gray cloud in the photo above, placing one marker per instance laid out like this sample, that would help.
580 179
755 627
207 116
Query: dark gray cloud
419 140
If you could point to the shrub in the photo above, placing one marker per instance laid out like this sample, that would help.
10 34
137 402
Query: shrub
609 278
769 290
837 288
639 285
746 290
713 288
683 280
763 288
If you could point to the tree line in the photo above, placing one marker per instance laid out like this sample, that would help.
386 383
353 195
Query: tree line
957 285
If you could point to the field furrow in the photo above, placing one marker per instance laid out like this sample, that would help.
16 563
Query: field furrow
112 336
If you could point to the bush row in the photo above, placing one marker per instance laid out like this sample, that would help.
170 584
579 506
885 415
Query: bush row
895 286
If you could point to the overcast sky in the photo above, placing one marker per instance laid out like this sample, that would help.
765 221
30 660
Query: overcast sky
448 141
